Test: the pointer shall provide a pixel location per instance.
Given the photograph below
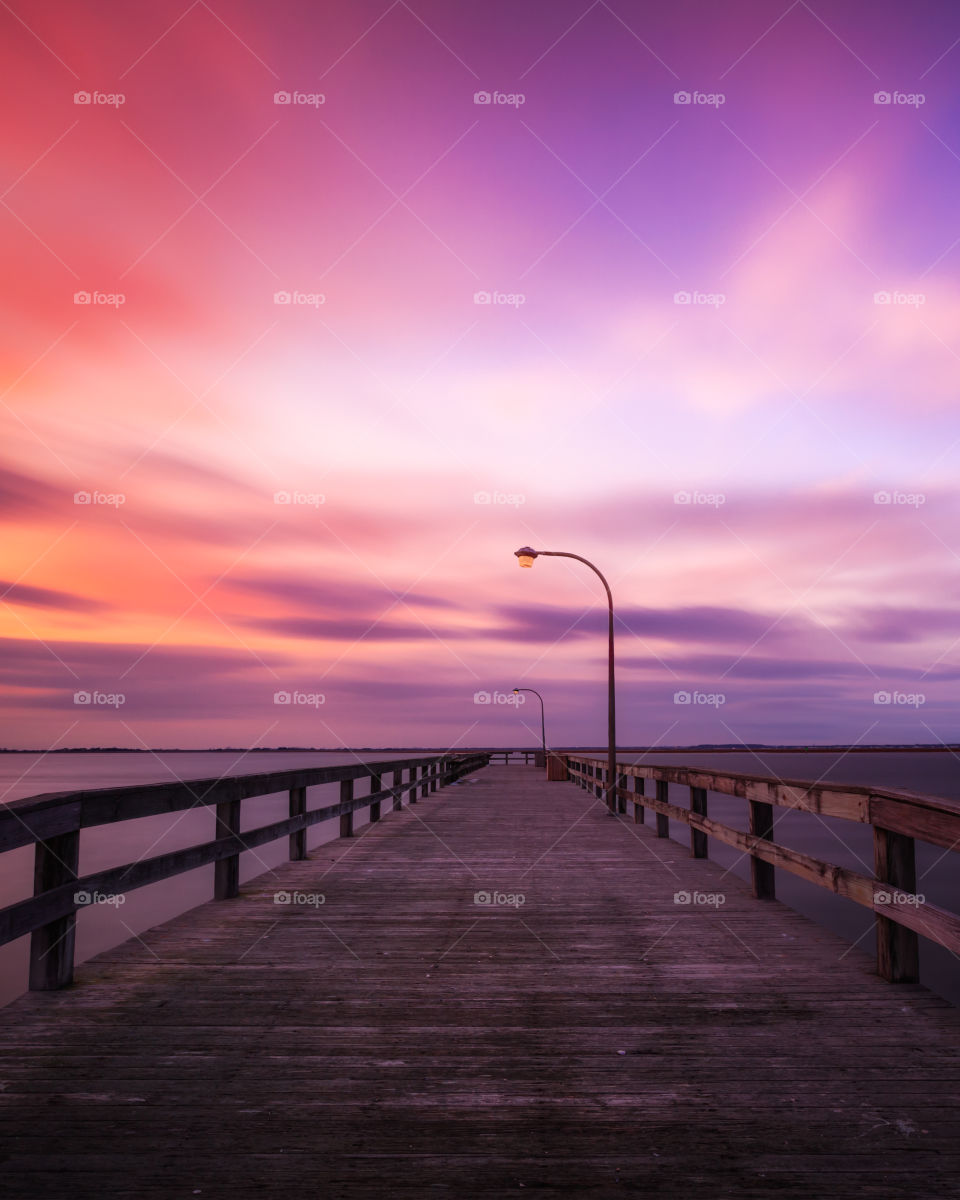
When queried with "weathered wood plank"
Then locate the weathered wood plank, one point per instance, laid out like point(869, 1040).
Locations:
point(762, 875)
point(898, 950)
point(698, 839)
point(56, 862)
point(298, 839)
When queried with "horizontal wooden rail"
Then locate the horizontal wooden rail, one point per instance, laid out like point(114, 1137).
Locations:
point(897, 818)
point(52, 822)
point(529, 758)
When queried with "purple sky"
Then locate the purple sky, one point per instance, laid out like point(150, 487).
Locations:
point(328, 309)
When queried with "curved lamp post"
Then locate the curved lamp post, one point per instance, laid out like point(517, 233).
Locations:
point(526, 555)
point(543, 728)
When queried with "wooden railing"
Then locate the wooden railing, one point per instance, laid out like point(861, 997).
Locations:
point(52, 823)
point(896, 817)
point(528, 758)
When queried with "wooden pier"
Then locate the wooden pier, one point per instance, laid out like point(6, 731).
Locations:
point(502, 990)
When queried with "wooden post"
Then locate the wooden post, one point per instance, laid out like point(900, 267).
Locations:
point(698, 839)
point(397, 783)
point(55, 863)
point(638, 809)
point(434, 771)
point(621, 800)
point(425, 778)
point(226, 871)
point(663, 821)
point(298, 840)
point(898, 952)
point(413, 780)
point(374, 808)
point(557, 768)
point(346, 819)
point(762, 873)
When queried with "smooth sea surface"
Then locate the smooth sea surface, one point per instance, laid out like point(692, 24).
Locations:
point(99, 927)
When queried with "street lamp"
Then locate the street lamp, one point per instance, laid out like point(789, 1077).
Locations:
point(543, 728)
point(526, 555)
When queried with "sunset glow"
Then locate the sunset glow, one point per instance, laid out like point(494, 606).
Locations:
point(303, 337)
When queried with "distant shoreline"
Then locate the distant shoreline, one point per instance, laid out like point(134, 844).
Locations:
point(939, 748)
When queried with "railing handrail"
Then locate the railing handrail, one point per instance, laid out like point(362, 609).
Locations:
point(100, 806)
point(842, 800)
point(896, 818)
point(52, 822)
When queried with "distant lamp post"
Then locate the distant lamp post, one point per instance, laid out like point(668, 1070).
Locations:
point(525, 556)
point(543, 728)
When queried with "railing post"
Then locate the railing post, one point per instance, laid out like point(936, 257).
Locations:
point(663, 821)
point(346, 819)
point(434, 771)
point(425, 780)
point(226, 871)
point(621, 800)
point(638, 810)
point(398, 783)
point(762, 874)
point(698, 839)
point(298, 839)
point(55, 863)
point(898, 954)
point(412, 790)
point(375, 807)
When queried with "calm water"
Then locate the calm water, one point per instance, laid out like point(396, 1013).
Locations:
point(100, 927)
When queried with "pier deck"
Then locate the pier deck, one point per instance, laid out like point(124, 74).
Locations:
point(402, 1040)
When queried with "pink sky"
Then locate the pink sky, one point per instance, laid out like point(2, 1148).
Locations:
point(388, 403)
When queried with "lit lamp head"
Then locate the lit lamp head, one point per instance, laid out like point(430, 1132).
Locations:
point(526, 556)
